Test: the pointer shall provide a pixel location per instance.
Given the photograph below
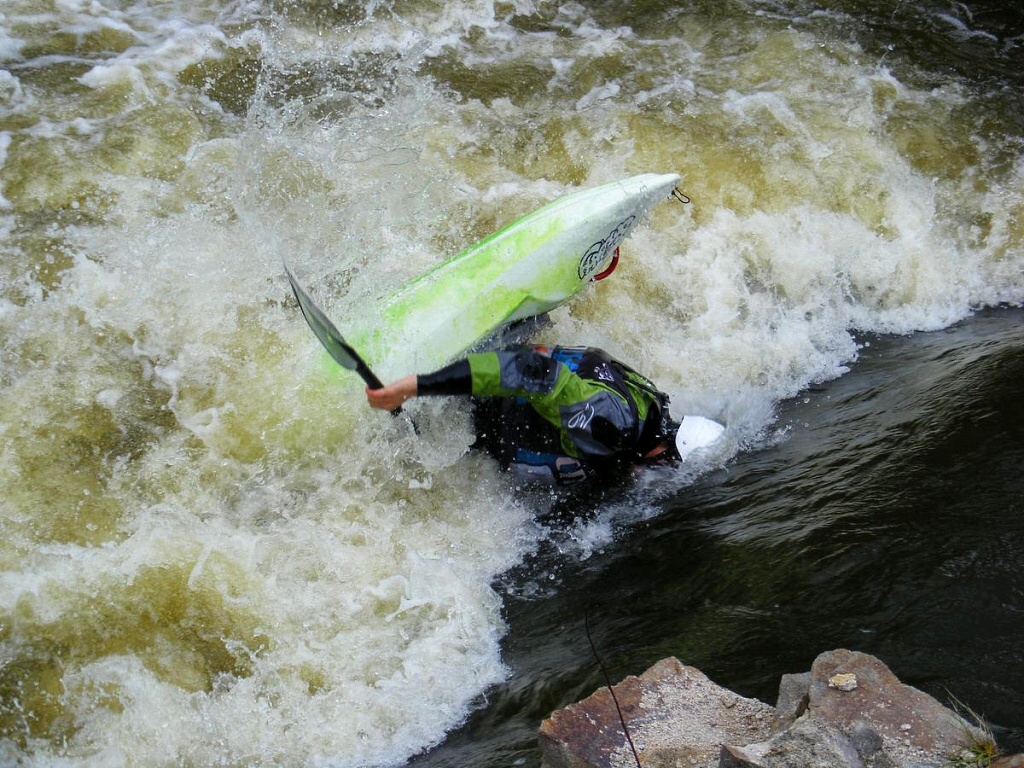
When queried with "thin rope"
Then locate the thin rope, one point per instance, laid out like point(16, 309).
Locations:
point(611, 690)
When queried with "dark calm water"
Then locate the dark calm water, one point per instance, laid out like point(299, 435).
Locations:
point(889, 519)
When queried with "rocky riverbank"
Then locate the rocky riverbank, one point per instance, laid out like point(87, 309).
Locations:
point(848, 711)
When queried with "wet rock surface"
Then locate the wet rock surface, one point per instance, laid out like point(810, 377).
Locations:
point(850, 711)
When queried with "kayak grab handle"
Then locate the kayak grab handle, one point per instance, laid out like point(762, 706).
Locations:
point(678, 195)
point(607, 270)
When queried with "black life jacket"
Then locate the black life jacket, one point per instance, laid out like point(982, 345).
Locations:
point(555, 468)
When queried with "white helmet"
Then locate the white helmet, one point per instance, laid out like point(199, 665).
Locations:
point(696, 432)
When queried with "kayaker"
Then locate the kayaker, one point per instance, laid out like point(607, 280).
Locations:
point(559, 415)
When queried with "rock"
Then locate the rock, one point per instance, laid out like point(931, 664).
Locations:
point(738, 757)
point(810, 742)
point(794, 697)
point(912, 725)
point(865, 739)
point(844, 682)
point(849, 711)
point(675, 715)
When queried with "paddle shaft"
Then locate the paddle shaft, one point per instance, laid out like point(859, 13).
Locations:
point(367, 375)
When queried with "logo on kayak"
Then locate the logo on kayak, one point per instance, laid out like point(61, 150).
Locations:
point(599, 252)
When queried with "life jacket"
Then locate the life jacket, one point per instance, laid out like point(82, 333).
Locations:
point(535, 467)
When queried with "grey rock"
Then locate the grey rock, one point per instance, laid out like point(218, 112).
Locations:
point(675, 715)
point(678, 718)
point(738, 757)
point(865, 739)
point(794, 697)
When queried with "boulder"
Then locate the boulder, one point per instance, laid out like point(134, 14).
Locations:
point(849, 711)
point(794, 697)
point(675, 715)
point(808, 742)
point(912, 727)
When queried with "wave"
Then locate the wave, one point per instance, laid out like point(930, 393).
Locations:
point(202, 520)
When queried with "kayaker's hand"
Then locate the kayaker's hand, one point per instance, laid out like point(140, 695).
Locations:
point(393, 395)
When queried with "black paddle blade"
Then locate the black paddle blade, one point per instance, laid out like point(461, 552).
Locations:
point(333, 342)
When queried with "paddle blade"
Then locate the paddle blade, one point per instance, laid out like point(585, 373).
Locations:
point(333, 341)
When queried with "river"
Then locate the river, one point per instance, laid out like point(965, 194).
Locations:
point(211, 551)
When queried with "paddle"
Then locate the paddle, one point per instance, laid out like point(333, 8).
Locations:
point(333, 341)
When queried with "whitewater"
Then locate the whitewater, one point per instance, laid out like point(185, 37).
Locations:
point(211, 551)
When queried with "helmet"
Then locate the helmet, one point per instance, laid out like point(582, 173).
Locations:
point(696, 432)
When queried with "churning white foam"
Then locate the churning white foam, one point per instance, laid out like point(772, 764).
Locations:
point(234, 560)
